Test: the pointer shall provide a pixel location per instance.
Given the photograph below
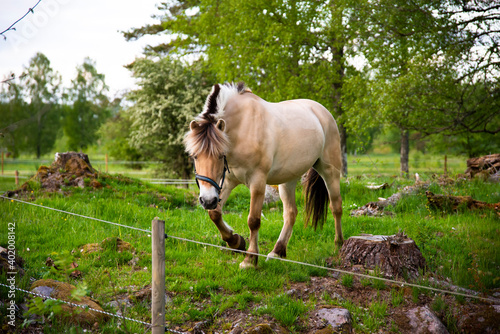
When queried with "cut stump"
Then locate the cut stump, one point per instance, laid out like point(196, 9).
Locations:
point(394, 255)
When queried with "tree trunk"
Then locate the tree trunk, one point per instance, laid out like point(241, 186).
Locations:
point(338, 56)
point(405, 151)
point(343, 148)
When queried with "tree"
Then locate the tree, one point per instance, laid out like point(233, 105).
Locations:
point(421, 70)
point(31, 115)
point(88, 106)
point(115, 133)
point(171, 94)
point(281, 49)
point(13, 111)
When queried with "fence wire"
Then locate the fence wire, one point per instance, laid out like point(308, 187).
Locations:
point(88, 308)
point(391, 281)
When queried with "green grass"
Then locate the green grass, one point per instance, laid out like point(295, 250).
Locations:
point(205, 282)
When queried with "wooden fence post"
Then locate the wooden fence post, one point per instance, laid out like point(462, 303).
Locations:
point(445, 165)
point(158, 281)
point(17, 178)
point(106, 159)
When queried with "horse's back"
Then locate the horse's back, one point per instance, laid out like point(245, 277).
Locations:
point(284, 139)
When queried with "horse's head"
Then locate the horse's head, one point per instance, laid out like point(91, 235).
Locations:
point(207, 144)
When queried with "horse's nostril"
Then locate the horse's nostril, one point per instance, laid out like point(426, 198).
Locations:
point(212, 203)
point(202, 201)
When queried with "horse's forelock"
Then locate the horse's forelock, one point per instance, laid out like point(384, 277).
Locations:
point(206, 138)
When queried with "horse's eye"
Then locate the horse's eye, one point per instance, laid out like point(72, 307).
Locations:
point(195, 157)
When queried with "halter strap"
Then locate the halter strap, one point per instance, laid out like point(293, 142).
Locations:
point(209, 180)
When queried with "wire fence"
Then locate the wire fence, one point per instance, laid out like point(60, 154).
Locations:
point(85, 307)
point(168, 236)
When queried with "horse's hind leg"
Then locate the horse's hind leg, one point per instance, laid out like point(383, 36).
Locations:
point(232, 239)
point(257, 193)
point(331, 175)
point(287, 195)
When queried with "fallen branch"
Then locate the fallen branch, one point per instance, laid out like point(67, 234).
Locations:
point(455, 202)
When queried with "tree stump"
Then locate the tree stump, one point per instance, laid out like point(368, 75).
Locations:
point(73, 161)
point(394, 255)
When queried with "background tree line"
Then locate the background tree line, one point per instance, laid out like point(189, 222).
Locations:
point(36, 110)
point(426, 70)
point(421, 74)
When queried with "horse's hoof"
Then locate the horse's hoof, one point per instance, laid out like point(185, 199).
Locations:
point(272, 255)
point(250, 262)
point(239, 245)
point(247, 265)
point(339, 243)
point(242, 245)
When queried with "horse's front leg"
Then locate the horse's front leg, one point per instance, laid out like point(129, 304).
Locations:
point(232, 239)
point(257, 193)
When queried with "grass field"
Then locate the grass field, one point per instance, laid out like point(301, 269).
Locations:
point(205, 283)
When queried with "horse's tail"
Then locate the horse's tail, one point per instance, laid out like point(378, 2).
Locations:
point(316, 196)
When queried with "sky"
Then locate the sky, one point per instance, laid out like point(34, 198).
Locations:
point(67, 31)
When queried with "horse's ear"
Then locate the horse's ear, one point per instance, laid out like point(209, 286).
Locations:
point(193, 125)
point(221, 124)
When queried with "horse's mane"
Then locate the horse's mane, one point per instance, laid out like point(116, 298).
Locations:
point(205, 137)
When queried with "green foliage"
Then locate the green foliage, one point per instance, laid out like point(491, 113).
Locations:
point(89, 108)
point(47, 309)
point(397, 297)
point(283, 308)
point(115, 133)
point(347, 280)
point(171, 94)
point(30, 109)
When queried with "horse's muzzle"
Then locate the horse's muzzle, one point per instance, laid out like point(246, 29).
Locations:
point(209, 203)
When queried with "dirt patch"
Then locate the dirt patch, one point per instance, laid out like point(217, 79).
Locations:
point(111, 243)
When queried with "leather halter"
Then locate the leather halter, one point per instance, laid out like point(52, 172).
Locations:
point(209, 180)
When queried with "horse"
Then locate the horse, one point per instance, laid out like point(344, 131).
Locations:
point(239, 138)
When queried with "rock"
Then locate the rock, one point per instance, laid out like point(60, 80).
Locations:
point(423, 321)
point(70, 314)
point(339, 319)
point(483, 319)
point(200, 327)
